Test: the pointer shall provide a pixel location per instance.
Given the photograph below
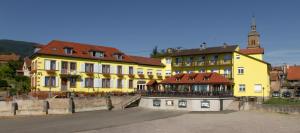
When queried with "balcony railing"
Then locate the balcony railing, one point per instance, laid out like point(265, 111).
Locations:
point(203, 63)
point(187, 94)
point(68, 72)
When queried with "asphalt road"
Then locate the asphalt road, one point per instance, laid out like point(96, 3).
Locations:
point(79, 122)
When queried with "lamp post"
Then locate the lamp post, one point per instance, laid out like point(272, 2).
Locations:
point(263, 94)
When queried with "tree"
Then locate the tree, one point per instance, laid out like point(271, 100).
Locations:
point(154, 52)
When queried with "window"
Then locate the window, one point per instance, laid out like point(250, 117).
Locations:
point(130, 70)
point(168, 72)
point(240, 70)
point(64, 66)
point(169, 60)
point(89, 67)
point(119, 71)
point(73, 82)
point(140, 71)
point(201, 58)
point(177, 61)
point(52, 65)
point(149, 72)
point(50, 81)
point(119, 56)
point(105, 83)
point(242, 87)
point(257, 88)
point(73, 66)
point(119, 84)
point(97, 54)
point(106, 69)
point(68, 50)
point(189, 60)
point(190, 72)
point(177, 71)
point(89, 82)
point(130, 82)
point(158, 72)
point(237, 57)
point(227, 57)
point(215, 70)
point(202, 70)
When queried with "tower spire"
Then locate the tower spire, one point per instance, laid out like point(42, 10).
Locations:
point(253, 23)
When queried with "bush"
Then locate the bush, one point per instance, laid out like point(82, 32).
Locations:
point(281, 101)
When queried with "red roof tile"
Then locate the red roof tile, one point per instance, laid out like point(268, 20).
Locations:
point(146, 60)
point(293, 73)
point(252, 51)
point(151, 82)
point(200, 78)
point(80, 50)
point(274, 76)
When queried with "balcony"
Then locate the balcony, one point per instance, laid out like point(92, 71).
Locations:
point(150, 76)
point(141, 75)
point(212, 62)
point(228, 76)
point(106, 73)
point(120, 74)
point(159, 76)
point(225, 62)
point(131, 75)
point(51, 71)
point(178, 64)
point(68, 73)
point(89, 73)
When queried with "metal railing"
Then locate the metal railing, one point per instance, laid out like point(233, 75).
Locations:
point(186, 94)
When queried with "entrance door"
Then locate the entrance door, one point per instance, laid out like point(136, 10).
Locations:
point(64, 84)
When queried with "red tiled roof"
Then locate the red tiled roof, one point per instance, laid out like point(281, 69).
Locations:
point(9, 57)
point(146, 60)
point(293, 73)
point(80, 50)
point(200, 78)
point(252, 51)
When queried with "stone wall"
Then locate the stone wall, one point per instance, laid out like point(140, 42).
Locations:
point(187, 104)
point(289, 109)
point(57, 106)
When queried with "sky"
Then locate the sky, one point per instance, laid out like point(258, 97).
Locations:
point(136, 27)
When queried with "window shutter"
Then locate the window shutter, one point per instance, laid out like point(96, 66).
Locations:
point(134, 71)
point(124, 83)
point(96, 68)
point(57, 65)
point(100, 83)
point(82, 83)
point(56, 81)
point(100, 68)
point(95, 83)
point(124, 70)
point(112, 70)
point(43, 81)
point(111, 83)
point(47, 64)
point(82, 67)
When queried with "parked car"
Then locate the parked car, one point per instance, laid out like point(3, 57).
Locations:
point(297, 94)
point(276, 94)
point(286, 94)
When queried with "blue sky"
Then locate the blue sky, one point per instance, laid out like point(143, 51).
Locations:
point(135, 27)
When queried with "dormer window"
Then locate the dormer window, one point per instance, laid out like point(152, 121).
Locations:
point(68, 51)
point(97, 54)
point(119, 56)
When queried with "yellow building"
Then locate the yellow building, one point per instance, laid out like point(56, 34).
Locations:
point(73, 67)
point(245, 67)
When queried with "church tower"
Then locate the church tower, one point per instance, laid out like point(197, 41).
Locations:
point(253, 36)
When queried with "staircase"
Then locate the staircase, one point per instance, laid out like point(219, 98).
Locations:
point(130, 101)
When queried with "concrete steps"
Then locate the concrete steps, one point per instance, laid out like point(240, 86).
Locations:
point(127, 102)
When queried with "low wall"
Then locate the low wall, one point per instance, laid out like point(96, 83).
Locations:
point(289, 109)
point(184, 103)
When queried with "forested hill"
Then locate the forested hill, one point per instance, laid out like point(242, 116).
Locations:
point(19, 47)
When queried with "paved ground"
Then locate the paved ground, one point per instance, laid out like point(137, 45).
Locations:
point(148, 121)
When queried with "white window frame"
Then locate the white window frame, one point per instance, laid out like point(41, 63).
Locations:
point(256, 89)
point(242, 88)
point(241, 70)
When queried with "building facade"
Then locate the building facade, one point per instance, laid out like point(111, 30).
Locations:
point(74, 67)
